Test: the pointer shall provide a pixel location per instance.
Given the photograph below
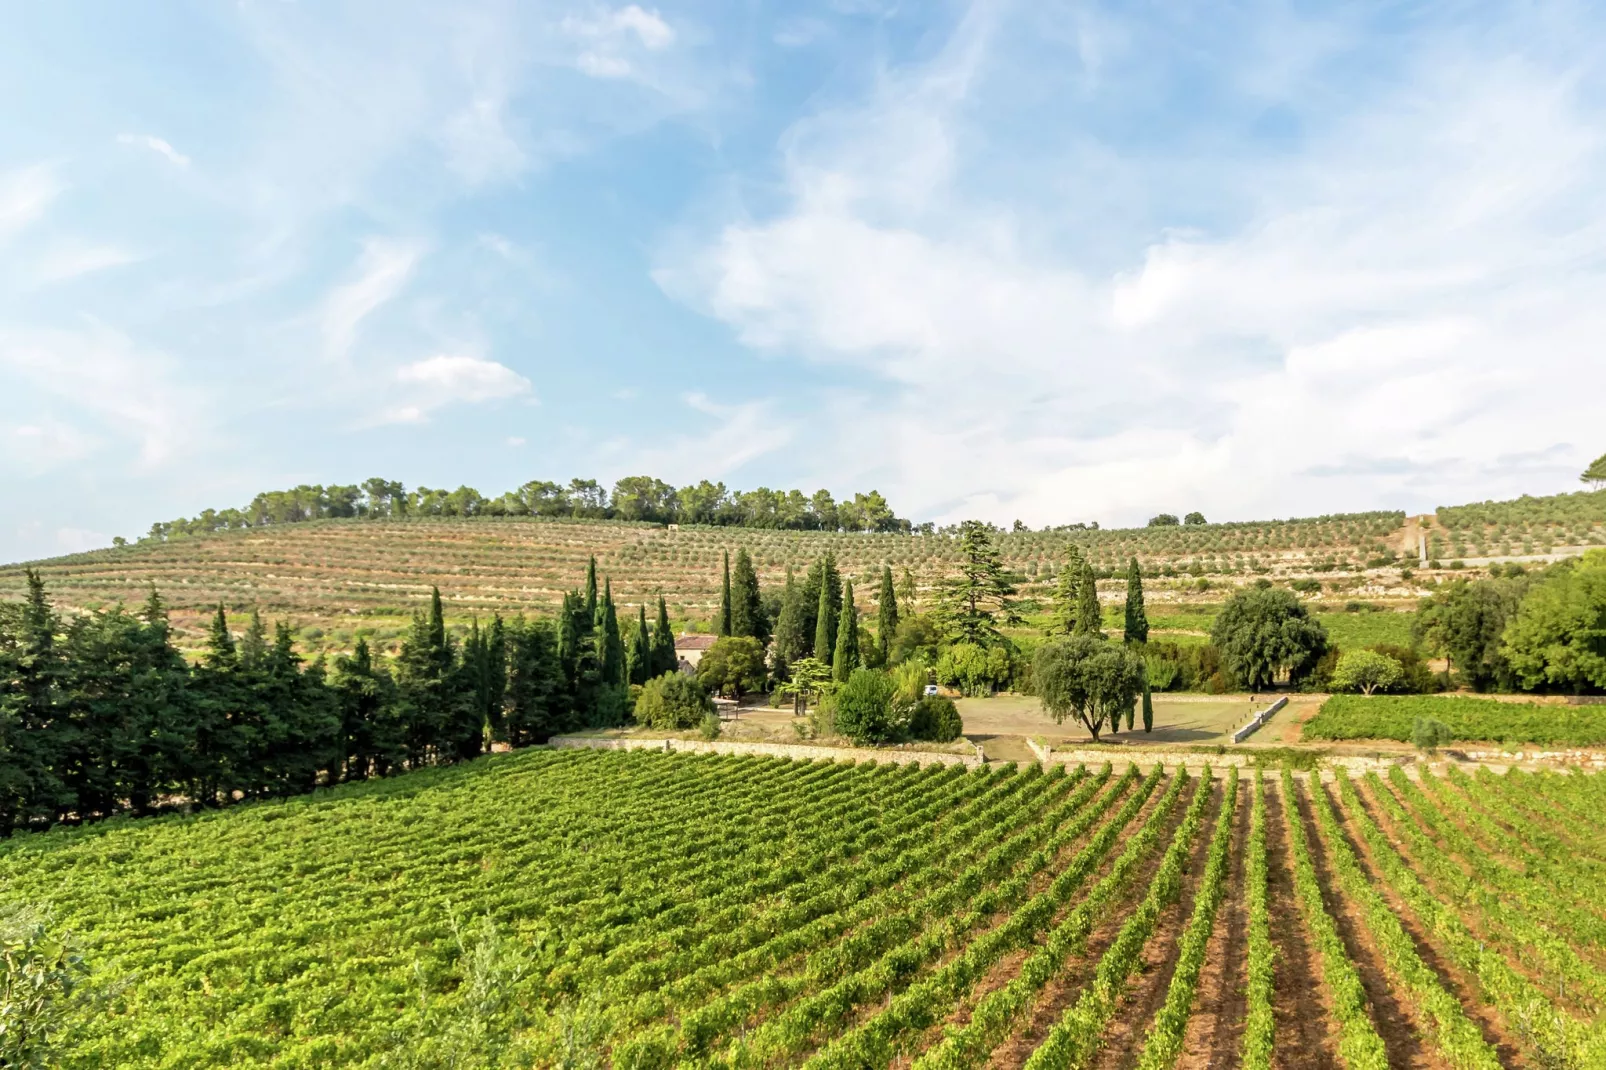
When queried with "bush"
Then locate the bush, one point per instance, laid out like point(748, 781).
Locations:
point(673, 702)
point(710, 728)
point(41, 979)
point(936, 719)
point(975, 670)
point(1307, 586)
point(1429, 734)
point(864, 707)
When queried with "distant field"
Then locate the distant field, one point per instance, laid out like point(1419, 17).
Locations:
point(1469, 719)
point(1176, 719)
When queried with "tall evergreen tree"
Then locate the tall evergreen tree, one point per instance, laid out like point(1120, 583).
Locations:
point(791, 644)
point(726, 614)
point(428, 684)
point(1148, 706)
point(845, 658)
point(974, 605)
point(254, 644)
point(1089, 617)
point(611, 644)
point(639, 656)
point(1137, 621)
point(886, 615)
point(1068, 594)
point(577, 650)
point(747, 615)
point(537, 694)
point(664, 658)
point(825, 627)
point(372, 736)
point(32, 743)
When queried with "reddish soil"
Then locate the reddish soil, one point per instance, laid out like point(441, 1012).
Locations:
point(1066, 987)
point(1215, 1030)
point(1393, 1013)
point(1460, 984)
point(1301, 1006)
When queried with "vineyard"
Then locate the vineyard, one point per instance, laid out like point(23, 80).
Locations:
point(1469, 720)
point(586, 908)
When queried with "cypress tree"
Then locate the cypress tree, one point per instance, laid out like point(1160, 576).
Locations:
point(220, 652)
point(886, 615)
point(640, 657)
point(1148, 706)
point(1089, 618)
point(1067, 597)
point(254, 644)
point(791, 642)
point(846, 656)
point(725, 615)
point(825, 627)
point(664, 658)
point(591, 590)
point(610, 645)
point(746, 605)
point(1137, 621)
point(537, 693)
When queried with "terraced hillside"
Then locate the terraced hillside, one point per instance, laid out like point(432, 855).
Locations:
point(332, 577)
point(584, 908)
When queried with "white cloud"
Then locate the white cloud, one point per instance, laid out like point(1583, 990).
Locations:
point(122, 387)
point(68, 260)
point(1399, 311)
point(155, 144)
point(447, 379)
point(24, 195)
point(614, 33)
point(382, 270)
point(480, 147)
point(515, 441)
point(601, 66)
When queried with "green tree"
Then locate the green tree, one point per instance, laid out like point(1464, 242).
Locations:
point(809, 678)
point(935, 718)
point(1068, 593)
point(864, 707)
point(886, 615)
point(1366, 671)
point(1148, 705)
point(1089, 615)
point(1267, 634)
point(425, 679)
point(538, 695)
point(1193, 519)
point(1466, 623)
point(43, 985)
point(1595, 474)
point(1097, 683)
point(907, 592)
point(664, 657)
point(726, 614)
point(792, 644)
point(845, 659)
point(1137, 621)
point(372, 736)
point(746, 604)
point(1164, 520)
point(732, 666)
point(974, 605)
point(672, 702)
point(640, 658)
point(1557, 639)
point(825, 624)
point(591, 590)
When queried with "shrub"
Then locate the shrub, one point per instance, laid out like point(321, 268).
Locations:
point(673, 702)
point(1307, 586)
point(1429, 734)
point(935, 718)
point(974, 670)
point(710, 727)
point(41, 979)
point(864, 707)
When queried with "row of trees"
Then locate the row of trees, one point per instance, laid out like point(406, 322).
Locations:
point(640, 498)
point(100, 713)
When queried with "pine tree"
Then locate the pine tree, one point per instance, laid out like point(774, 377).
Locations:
point(1067, 597)
point(976, 603)
point(220, 652)
point(32, 734)
point(640, 653)
point(886, 615)
point(726, 614)
point(746, 605)
point(846, 656)
point(1089, 617)
point(1137, 621)
point(664, 658)
point(254, 644)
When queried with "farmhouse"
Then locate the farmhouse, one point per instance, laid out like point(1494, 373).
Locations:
point(689, 650)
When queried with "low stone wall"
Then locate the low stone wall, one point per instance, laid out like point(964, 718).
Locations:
point(1259, 719)
point(800, 751)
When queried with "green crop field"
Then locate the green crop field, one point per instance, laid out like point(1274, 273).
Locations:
point(1469, 719)
point(581, 908)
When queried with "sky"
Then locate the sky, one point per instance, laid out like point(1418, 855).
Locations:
point(1046, 261)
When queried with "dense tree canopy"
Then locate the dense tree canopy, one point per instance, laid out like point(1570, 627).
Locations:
point(1095, 681)
point(974, 605)
point(1557, 638)
point(1266, 635)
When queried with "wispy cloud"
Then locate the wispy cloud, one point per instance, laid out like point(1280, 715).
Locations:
point(381, 272)
point(69, 260)
point(612, 36)
point(452, 378)
point(25, 194)
point(157, 145)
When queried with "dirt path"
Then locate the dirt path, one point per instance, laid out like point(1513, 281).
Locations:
point(1216, 1028)
point(1123, 1039)
point(1461, 985)
point(1301, 1007)
point(1067, 985)
point(1393, 1013)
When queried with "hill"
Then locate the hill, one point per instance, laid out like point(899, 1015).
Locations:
point(336, 577)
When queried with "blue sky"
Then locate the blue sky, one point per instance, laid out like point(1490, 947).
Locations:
point(1050, 261)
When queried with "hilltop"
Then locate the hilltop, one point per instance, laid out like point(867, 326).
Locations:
point(336, 577)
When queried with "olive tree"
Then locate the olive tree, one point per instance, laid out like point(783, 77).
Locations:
point(1366, 671)
point(1092, 680)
